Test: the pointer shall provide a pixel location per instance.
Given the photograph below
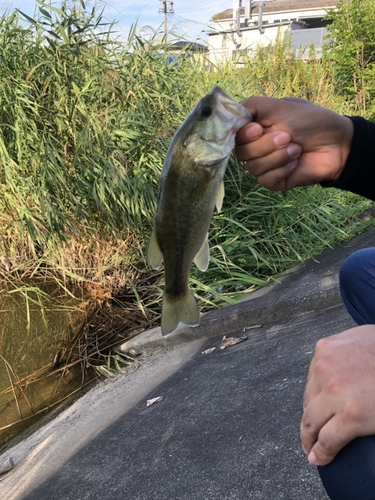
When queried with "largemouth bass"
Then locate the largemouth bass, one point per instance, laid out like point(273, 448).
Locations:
point(191, 185)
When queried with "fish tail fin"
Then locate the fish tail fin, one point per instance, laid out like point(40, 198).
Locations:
point(183, 309)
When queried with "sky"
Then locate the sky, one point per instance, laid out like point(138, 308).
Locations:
point(190, 19)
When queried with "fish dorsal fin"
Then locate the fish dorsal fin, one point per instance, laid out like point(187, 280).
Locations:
point(154, 254)
point(202, 258)
point(220, 196)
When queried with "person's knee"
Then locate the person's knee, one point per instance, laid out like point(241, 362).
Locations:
point(357, 267)
point(357, 285)
point(351, 475)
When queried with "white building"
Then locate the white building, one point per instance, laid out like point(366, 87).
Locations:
point(249, 24)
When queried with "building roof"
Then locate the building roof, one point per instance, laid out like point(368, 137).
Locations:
point(191, 46)
point(282, 6)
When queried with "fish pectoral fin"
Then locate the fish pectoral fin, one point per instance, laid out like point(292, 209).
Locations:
point(184, 310)
point(154, 254)
point(220, 196)
point(202, 258)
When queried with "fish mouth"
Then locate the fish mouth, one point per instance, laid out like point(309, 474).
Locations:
point(232, 107)
point(228, 105)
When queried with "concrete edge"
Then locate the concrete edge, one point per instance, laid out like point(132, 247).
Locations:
point(244, 316)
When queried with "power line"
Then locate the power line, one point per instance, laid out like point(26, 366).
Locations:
point(192, 21)
point(217, 6)
point(167, 10)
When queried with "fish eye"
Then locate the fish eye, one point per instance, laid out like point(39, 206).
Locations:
point(206, 111)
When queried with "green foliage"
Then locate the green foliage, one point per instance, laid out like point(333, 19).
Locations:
point(276, 70)
point(351, 50)
point(85, 122)
point(48, 138)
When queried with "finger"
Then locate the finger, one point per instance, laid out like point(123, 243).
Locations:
point(277, 179)
point(263, 146)
point(313, 385)
point(314, 418)
point(263, 108)
point(250, 132)
point(332, 438)
point(320, 369)
point(268, 162)
point(268, 111)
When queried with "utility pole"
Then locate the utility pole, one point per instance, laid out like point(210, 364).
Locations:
point(167, 10)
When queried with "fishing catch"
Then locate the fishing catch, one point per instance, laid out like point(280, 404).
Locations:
point(191, 185)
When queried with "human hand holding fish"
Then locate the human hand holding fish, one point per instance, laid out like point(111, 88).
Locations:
point(293, 142)
point(191, 185)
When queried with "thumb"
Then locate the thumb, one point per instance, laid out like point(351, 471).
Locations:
point(264, 108)
point(332, 438)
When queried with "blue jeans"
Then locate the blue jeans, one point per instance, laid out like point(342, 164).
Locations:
point(351, 475)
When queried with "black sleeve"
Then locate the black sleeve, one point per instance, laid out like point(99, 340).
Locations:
point(358, 175)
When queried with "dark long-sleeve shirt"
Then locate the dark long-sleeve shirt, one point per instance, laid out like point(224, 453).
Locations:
point(358, 175)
